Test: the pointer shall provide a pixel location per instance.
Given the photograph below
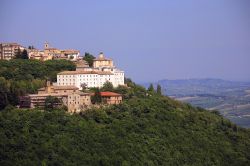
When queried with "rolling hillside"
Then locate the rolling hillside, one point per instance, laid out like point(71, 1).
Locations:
point(151, 130)
point(231, 98)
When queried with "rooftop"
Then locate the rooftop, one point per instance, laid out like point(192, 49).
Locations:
point(85, 72)
point(70, 51)
point(109, 94)
point(62, 88)
point(102, 58)
point(10, 44)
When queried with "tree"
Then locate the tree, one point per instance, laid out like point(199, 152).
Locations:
point(151, 88)
point(21, 54)
point(51, 103)
point(89, 58)
point(19, 77)
point(24, 54)
point(4, 90)
point(97, 96)
point(107, 86)
point(158, 90)
point(31, 47)
point(84, 86)
point(18, 54)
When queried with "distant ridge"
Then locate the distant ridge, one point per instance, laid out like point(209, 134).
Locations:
point(197, 86)
point(231, 98)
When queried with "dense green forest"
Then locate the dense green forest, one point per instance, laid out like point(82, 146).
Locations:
point(146, 129)
point(19, 77)
point(150, 130)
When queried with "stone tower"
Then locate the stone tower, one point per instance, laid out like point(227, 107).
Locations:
point(46, 45)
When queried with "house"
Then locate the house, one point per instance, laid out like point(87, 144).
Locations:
point(69, 96)
point(9, 50)
point(111, 98)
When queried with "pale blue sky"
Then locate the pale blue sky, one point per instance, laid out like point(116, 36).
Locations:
point(150, 40)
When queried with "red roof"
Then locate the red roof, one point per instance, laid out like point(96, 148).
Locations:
point(109, 94)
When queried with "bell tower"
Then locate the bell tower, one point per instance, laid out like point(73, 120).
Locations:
point(101, 56)
point(46, 45)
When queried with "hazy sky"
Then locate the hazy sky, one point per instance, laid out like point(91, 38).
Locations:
point(149, 39)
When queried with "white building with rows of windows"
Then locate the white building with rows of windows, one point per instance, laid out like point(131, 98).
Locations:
point(103, 70)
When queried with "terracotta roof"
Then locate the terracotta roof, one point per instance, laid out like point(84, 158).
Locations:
point(109, 94)
point(85, 72)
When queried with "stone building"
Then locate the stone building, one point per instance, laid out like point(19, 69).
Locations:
point(69, 96)
point(38, 55)
point(103, 71)
point(50, 53)
point(9, 50)
point(111, 98)
point(71, 54)
point(102, 62)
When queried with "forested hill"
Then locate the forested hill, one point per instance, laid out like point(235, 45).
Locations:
point(22, 76)
point(147, 129)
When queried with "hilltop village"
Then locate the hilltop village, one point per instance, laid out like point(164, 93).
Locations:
point(71, 87)
point(10, 50)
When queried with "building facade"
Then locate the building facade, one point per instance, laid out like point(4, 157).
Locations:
point(72, 55)
point(70, 96)
point(55, 53)
point(102, 62)
point(103, 70)
point(111, 98)
point(9, 50)
point(38, 55)
point(50, 53)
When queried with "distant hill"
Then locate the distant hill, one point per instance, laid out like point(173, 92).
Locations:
point(199, 86)
point(231, 98)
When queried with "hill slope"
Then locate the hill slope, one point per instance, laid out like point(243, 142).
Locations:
point(231, 98)
point(144, 130)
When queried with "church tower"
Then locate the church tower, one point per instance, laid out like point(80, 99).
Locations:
point(46, 45)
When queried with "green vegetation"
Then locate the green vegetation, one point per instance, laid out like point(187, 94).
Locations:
point(151, 88)
point(96, 98)
point(231, 98)
point(22, 54)
point(146, 129)
point(19, 77)
point(158, 90)
point(52, 103)
point(107, 86)
point(137, 132)
point(89, 58)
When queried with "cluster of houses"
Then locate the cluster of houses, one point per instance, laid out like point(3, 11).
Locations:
point(69, 86)
point(9, 50)
point(69, 96)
